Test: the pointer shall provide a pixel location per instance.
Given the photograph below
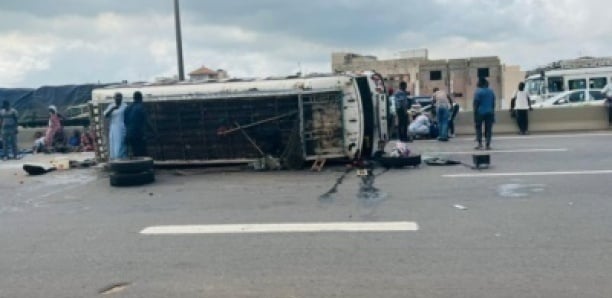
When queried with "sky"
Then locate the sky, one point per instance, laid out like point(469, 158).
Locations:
point(74, 41)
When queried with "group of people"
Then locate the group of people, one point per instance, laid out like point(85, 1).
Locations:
point(127, 127)
point(441, 125)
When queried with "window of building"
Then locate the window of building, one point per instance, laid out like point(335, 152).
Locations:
point(483, 72)
point(435, 75)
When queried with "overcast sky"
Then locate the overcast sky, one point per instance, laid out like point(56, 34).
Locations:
point(74, 41)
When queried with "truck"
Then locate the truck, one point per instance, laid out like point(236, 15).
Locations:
point(292, 119)
point(549, 83)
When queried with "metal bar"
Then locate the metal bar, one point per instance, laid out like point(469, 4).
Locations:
point(249, 139)
point(301, 115)
point(179, 41)
point(256, 123)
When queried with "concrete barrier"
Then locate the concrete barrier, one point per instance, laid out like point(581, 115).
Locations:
point(542, 120)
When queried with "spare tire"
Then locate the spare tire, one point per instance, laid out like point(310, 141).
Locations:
point(133, 179)
point(131, 166)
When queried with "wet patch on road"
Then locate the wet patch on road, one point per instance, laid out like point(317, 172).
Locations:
point(516, 190)
point(330, 195)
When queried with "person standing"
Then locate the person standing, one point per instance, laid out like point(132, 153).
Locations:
point(607, 91)
point(402, 104)
point(484, 112)
point(443, 102)
point(8, 124)
point(136, 122)
point(54, 128)
point(451, 122)
point(117, 131)
point(521, 106)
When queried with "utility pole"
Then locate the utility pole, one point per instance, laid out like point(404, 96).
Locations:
point(179, 41)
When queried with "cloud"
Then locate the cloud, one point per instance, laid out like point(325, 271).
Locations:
point(70, 41)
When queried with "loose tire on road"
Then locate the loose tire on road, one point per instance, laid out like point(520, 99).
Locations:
point(132, 179)
point(131, 166)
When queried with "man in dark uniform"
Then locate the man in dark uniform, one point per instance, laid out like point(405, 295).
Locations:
point(135, 124)
point(402, 104)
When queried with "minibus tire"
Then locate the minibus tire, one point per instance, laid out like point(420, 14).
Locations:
point(132, 179)
point(131, 166)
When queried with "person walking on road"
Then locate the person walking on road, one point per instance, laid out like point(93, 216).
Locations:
point(135, 122)
point(451, 123)
point(607, 91)
point(116, 135)
point(402, 104)
point(484, 113)
point(521, 105)
point(8, 126)
point(443, 104)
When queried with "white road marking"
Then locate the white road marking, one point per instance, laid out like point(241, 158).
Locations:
point(537, 136)
point(555, 136)
point(471, 138)
point(400, 226)
point(559, 173)
point(504, 151)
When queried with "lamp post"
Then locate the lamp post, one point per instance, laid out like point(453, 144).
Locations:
point(179, 41)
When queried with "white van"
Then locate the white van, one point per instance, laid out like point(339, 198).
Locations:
point(321, 117)
point(552, 82)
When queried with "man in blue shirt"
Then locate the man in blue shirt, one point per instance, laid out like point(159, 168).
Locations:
point(402, 104)
point(484, 112)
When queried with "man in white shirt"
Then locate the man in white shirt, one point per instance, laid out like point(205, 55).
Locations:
point(607, 91)
point(521, 105)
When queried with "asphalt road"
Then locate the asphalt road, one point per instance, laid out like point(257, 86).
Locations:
point(542, 230)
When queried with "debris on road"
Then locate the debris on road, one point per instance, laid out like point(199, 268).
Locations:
point(114, 288)
point(37, 169)
point(460, 207)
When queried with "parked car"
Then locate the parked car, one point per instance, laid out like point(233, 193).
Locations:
point(419, 103)
point(574, 98)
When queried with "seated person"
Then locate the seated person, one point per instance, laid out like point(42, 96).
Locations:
point(87, 141)
point(39, 142)
point(75, 140)
point(420, 126)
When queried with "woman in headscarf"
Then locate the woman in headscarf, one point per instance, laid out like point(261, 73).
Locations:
point(55, 126)
point(116, 135)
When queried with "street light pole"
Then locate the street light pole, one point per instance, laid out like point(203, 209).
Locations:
point(179, 41)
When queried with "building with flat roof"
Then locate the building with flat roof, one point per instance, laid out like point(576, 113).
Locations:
point(457, 76)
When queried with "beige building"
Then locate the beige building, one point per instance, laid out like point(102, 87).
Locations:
point(512, 75)
point(458, 76)
point(393, 71)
